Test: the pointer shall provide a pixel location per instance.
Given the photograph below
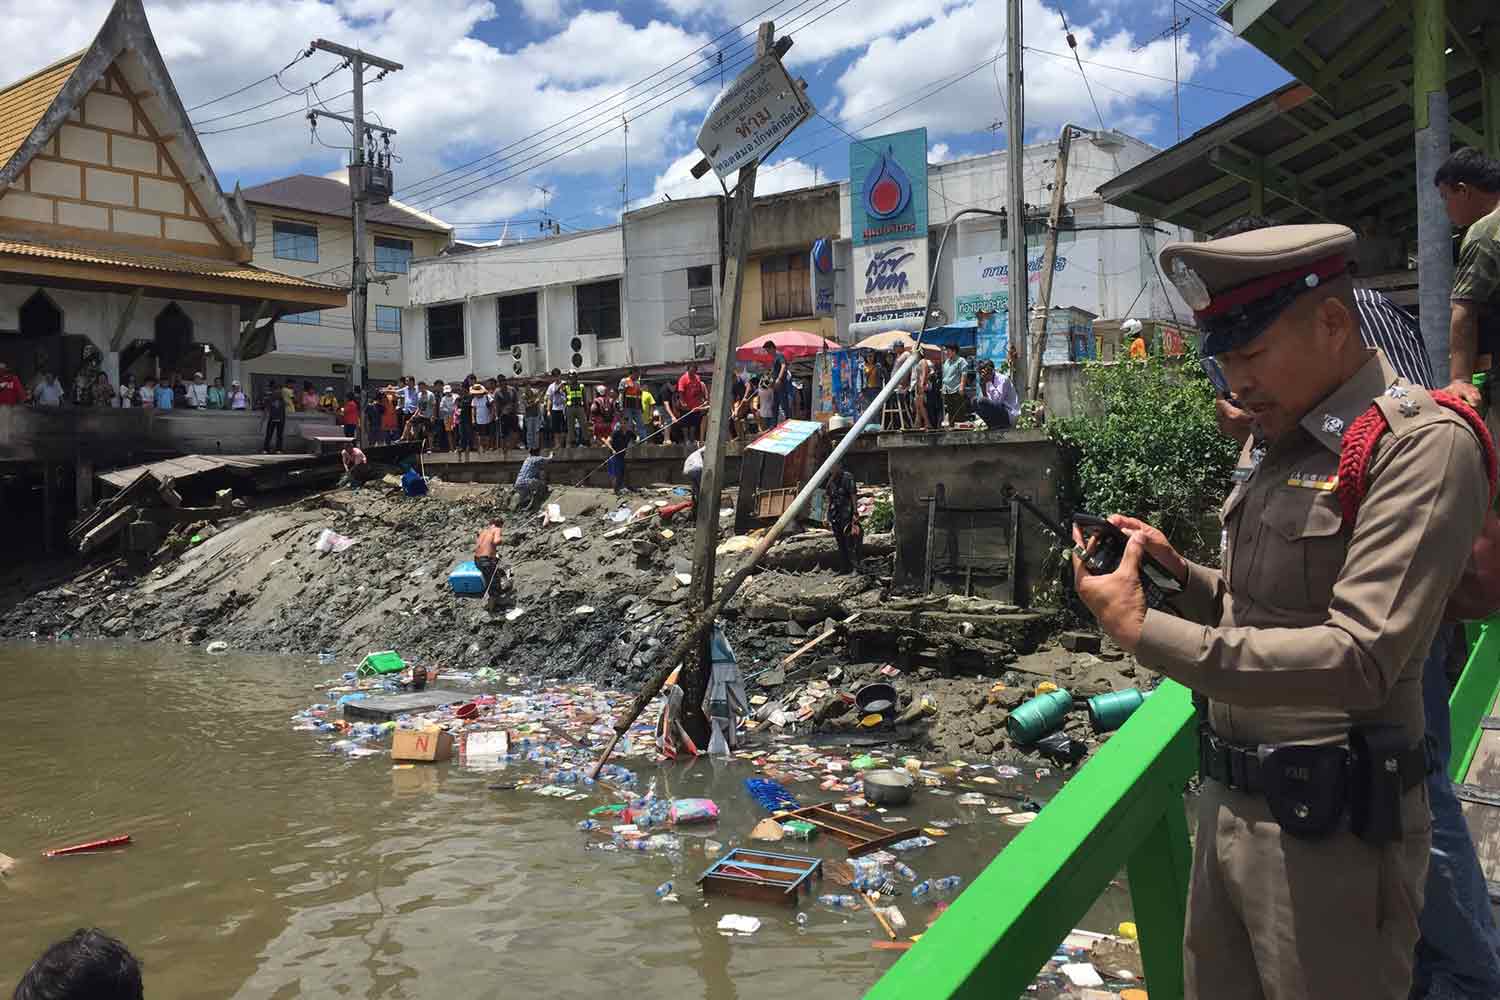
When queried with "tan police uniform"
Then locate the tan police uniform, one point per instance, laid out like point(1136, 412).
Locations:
point(1308, 631)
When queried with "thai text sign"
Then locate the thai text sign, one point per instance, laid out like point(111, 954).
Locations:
point(890, 282)
point(750, 118)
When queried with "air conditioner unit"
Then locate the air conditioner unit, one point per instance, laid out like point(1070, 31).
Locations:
point(584, 351)
point(526, 359)
point(703, 351)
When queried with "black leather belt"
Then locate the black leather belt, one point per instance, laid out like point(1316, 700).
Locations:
point(1238, 767)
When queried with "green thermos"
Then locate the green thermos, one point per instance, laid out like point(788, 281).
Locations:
point(1108, 712)
point(1039, 716)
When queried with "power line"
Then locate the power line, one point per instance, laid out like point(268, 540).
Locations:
point(1136, 72)
point(490, 179)
point(1073, 48)
point(424, 181)
point(303, 54)
point(604, 123)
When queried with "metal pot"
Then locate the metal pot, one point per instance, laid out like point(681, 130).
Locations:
point(878, 698)
point(888, 788)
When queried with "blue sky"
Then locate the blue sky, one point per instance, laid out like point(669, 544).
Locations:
point(541, 86)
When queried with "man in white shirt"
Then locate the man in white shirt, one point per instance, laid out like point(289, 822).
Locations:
point(46, 390)
point(998, 403)
point(237, 398)
point(197, 392)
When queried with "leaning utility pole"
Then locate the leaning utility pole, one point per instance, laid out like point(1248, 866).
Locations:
point(360, 191)
point(744, 125)
point(1015, 204)
point(1049, 255)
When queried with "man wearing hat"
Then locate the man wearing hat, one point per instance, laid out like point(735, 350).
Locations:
point(1305, 650)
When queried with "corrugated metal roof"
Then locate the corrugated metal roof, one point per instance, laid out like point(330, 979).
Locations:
point(23, 103)
point(326, 196)
point(170, 263)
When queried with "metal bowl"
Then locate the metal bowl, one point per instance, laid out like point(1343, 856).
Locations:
point(878, 698)
point(888, 788)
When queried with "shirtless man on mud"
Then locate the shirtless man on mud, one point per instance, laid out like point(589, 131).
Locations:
point(485, 559)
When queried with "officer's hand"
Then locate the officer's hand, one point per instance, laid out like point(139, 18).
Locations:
point(1156, 545)
point(1234, 423)
point(1116, 599)
point(1466, 391)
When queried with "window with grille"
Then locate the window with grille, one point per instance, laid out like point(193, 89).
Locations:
point(517, 320)
point(785, 291)
point(392, 256)
point(294, 241)
point(388, 319)
point(599, 309)
point(303, 319)
point(445, 331)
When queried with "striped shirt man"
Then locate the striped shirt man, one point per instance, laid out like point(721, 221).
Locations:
point(1395, 332)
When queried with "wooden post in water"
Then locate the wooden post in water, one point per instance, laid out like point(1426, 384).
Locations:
point(715, 438)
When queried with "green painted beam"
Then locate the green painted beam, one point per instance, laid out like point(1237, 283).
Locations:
point(1201, 194)
point(1368, 39)
point(1474, 694)
point(1004, 927)
point(1283, 185)
point(1224, 217)
point(1465, 134)
point(1338, 128)
point(1429, 37)
point(1287, 53)
point(1358, 151)
point(1159, 872)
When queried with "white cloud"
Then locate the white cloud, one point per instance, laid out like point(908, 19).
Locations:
point(939, 153)
point(677, 181)
point(543, 11)
point(968, 33)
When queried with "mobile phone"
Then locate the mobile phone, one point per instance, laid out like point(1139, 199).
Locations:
point(1215, 373)
point(1109, 549)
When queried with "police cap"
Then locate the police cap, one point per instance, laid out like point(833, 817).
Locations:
point(1238, 285)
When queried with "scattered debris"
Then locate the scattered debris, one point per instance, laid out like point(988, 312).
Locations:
point(120, 840)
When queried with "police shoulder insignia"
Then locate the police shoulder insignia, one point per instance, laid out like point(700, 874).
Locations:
point(1332, 424)
point(1398, 392)
point(1409, 408)
point(1314, 481)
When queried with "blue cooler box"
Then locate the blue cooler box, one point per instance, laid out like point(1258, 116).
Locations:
point(466, 579)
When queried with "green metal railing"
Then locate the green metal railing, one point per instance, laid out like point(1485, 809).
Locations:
point(1124, 809)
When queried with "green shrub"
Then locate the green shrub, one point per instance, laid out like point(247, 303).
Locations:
point(883, 515)
point(1148, 445)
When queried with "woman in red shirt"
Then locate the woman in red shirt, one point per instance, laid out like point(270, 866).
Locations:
point(351, 417)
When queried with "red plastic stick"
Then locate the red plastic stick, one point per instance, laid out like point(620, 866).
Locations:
point(93, 845)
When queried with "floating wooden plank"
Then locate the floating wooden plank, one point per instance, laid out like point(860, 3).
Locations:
point(761, 875)
point(383, 708)
point(858, 836)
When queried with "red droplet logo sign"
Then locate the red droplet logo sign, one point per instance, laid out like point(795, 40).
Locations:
point(887, 188)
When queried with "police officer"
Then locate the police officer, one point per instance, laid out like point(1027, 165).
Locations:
point(1307, 647)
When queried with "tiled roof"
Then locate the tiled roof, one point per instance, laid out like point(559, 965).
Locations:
point(326, 196)
point(204, 267)
point(23, 103)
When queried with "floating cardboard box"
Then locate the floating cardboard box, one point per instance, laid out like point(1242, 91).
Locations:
point(421, 744)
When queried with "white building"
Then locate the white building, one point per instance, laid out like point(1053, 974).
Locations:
point(527, 308)
point(304, 226)
point(1108, 272)
point(517, 310)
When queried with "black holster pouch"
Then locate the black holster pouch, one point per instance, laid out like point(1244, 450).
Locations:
point(1306, 787)
point(1376, 777)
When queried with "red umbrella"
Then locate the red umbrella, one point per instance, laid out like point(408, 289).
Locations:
point(791, 343)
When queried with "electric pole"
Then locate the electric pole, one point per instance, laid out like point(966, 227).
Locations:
point(363, 183)
point(1015, 206)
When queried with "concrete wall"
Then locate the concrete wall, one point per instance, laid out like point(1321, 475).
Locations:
point(662, 242)
point(788, 222)
point(307, 351)
point(973, 468)
point(118, 437)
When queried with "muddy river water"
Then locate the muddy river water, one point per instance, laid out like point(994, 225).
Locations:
point(265, 866)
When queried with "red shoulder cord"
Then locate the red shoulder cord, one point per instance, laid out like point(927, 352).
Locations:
point(1359, 446)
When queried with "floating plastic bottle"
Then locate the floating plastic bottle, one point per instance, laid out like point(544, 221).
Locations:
point(921, 889)
point(588, 824)
point(904, 870)
point(839, 902)
point(948, 883)
point(663, 890)
point(801, 920)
